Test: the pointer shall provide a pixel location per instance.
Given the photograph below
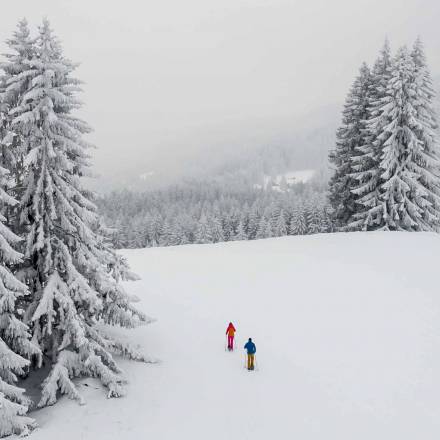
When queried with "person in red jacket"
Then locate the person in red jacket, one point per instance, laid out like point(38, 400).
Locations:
point(230, 331)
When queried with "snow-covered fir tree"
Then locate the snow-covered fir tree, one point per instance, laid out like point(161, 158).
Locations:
point(366, 163)
point(253, 222)
point(241, 233)
point(13, 84)
point(16, 349)
point(410, 196)
point(204, 234)
point(273, 213)
point(395, 162)
point(176, 234)
point(264, 228)
point(72, 274)
point(350, 137)
point(298, 225)
point(268, 233)
point(167, 238)
point(13, 403)
point(216, 228)
point(313, 219)
point(280, 229)
point(427, 132)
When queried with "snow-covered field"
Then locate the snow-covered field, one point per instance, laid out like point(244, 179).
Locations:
point(347, 329)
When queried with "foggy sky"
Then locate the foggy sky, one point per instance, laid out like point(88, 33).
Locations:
point(165, 78)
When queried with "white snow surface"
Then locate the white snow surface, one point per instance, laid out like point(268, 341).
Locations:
point(347, 328)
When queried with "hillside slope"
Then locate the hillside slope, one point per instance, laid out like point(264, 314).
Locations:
point(347, 328)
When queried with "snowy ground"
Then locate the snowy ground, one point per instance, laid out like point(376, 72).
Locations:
point(347, 329)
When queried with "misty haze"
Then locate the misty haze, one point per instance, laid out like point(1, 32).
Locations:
point(220, 219)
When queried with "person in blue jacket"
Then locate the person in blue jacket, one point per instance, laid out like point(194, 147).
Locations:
point(251, 350)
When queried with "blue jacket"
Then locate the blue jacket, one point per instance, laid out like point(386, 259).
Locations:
point(250, 347)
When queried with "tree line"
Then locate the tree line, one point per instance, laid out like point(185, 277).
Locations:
point(60, 278)
point(210, 212)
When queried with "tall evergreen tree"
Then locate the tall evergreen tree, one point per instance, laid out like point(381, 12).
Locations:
point(264, 228)
point(366, 164)
point(427, 132)
point(216, 228)
point(72, 274)
point(349, 137)
point(13, 404)
point(167, 237)
point(313, 218)
point(204, 234)
point(280, 229)
point(175, 236)
point(253, 222)
point(410, 198)
point(298, 225)
point(13, 84)
point(241, 233)
point(16, 349)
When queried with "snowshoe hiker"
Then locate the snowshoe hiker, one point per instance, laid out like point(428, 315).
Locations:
point(251, 350)
point(230, 332)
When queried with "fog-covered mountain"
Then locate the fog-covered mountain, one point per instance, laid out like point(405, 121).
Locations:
point(304, 146)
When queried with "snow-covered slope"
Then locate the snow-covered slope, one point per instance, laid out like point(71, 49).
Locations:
point(347, 328)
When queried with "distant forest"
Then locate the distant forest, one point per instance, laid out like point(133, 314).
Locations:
point(210, 212)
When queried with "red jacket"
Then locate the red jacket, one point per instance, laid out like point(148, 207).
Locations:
point(230, 331)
